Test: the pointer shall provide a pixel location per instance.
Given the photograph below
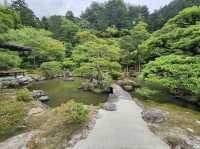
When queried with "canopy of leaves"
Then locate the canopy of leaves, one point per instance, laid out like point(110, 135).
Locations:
point(8, 60)
point(44, 47)
point(130, 43)
point(114, 13)
point(63, 29)
point(27, 16)
point(51, 69)
point(8, 19)
point(178, 73)
point(157, 19)
point(97, 58)
point(181, 35)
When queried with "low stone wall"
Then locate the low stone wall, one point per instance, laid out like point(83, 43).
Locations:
point(12, 82)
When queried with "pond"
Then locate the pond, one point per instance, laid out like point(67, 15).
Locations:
point(60, 91)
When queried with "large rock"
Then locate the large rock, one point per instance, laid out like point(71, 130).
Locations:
point(127, 84)
point(38, 93)
point(43, 98)
point(120, 82)
point(128, 88)
point(154, 115)
point(110, 106)
point(19, 141)
point(89, 86)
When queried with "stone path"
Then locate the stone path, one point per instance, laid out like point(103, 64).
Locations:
point(121, 129)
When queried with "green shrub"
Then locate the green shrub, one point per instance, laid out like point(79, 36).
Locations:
point(11, 117)
point(8, 19)
point(146, 93)
point(75, 112)
point(178, 74)
point(51, 69)
point(9, 60)
point(24, 95)
point(179, 36)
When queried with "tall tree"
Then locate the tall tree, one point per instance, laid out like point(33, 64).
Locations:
point(70, 15)
point(27, 16)
point(114, 13)
point(8, 19)
point(131, 45)
point(160, 17)
point(62, 28)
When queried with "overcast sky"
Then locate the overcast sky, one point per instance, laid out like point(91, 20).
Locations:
point(51, 7)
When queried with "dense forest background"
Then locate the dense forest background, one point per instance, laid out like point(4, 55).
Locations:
point(107, 40)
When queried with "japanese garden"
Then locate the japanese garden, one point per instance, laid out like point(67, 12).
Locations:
point(118, 76)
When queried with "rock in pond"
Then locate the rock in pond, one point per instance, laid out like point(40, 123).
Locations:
point(154, 115)
point(43, 98)
point(110, 106)
point(40, 95)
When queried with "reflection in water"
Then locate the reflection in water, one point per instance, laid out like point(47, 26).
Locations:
point(60, 91)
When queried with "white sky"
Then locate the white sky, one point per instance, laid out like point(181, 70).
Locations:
point(51, 7)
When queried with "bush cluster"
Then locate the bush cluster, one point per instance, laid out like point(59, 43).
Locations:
point(51, 69)
point(24, 95)
point(74, 112)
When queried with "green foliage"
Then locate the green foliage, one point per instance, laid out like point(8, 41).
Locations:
point(62, 28)
point(180, 36)
point(178, 73)
point(157, 19)
point(24, 95)
point(51, 69)
point(130, 44)
point(27, 16)
point(75, 112)
point(8, 60)
point(44, 47)
point(68, 63)
point(147, 93)
point(11, 117)
point(8, 19)
point(114, 13)
point(97, 57)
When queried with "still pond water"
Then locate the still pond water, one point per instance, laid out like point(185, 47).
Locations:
point(60, 91)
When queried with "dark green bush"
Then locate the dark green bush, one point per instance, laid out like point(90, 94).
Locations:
point(179, 36)
point(178, 73)
point(51, 69)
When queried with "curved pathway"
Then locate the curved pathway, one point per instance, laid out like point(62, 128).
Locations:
point(121, 129)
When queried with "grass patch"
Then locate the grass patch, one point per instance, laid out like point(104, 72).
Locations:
point(12, 116)
point(24, 95)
